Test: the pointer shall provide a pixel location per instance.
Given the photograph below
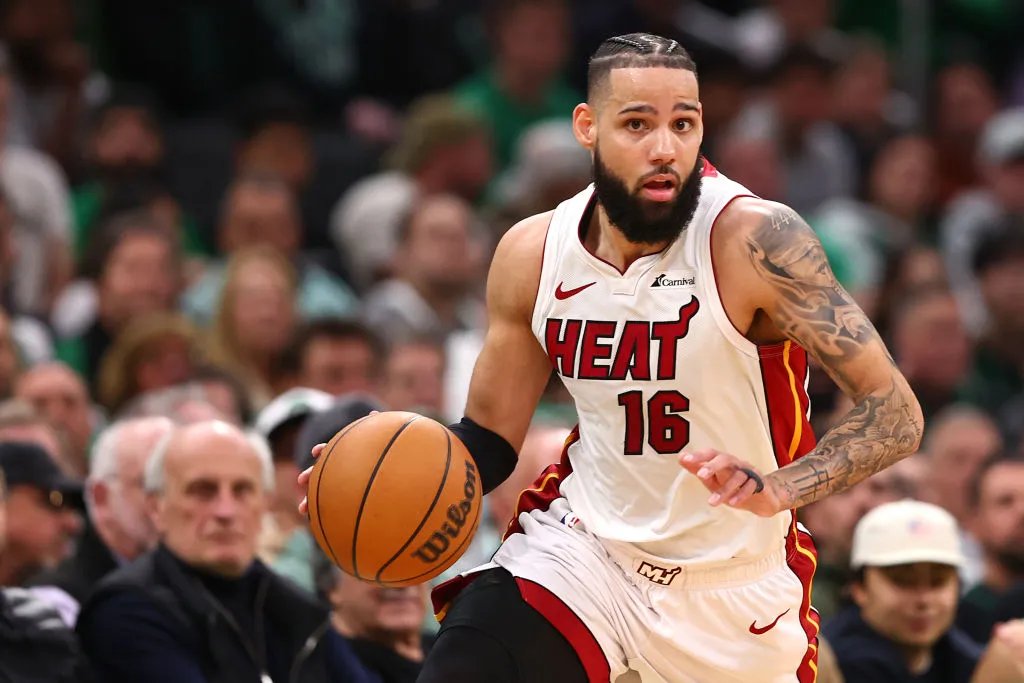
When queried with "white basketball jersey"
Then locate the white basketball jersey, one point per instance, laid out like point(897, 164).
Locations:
point(656, 367)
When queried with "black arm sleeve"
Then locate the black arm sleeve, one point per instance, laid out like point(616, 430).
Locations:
point(495, 457)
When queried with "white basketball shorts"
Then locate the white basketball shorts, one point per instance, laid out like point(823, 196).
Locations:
point(632, 618)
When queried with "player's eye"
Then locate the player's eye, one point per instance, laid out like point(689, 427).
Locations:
point(683, 125)
point(635, 124)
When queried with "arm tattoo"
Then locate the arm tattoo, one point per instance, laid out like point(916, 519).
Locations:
point(814, 310)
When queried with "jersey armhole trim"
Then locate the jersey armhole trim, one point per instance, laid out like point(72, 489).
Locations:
point(543, 262)
point(725, 323)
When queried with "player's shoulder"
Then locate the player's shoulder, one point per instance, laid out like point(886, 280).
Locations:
point(516, 266)
point(522, 245)
point(754, 223)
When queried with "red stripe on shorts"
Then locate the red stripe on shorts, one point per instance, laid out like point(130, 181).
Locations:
point(570, 626)
point(802, 558)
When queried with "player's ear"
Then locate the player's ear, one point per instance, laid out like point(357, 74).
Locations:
point(584, 125)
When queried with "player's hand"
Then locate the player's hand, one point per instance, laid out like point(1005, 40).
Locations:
point(304, 477)
point(305, 474)
point(732, 482)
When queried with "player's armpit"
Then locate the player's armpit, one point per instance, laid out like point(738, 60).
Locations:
point(802, 298)
point(512, 369)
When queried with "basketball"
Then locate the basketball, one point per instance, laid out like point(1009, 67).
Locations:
point(394, 499)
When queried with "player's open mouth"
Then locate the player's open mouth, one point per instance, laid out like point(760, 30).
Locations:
point(660, 188)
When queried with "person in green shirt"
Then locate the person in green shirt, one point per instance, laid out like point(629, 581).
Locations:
point(124, 158)
point(524, 83)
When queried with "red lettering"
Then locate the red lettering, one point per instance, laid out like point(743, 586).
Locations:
point(634, 353)
point(592, 351)
point(669, 334)
point(561, 345)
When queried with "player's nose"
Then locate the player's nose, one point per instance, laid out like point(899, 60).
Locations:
point(663, 149)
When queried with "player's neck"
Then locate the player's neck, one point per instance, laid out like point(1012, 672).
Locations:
point(918, 659)
point(607, 242)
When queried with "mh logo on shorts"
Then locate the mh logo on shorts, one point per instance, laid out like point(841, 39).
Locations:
point(676, 280)
point(658, 575)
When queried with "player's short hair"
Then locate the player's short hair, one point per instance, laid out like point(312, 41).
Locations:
point(632, 51)
point(986, 466)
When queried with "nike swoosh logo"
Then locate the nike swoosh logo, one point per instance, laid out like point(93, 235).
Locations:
point(758, 631)
point(562, 295)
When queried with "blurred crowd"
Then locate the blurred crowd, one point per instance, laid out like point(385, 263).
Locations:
point(228, 229)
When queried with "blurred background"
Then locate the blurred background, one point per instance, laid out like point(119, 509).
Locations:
point(207, 205)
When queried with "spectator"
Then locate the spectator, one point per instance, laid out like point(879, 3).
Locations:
point(41, 509)
point(183, 403)
point(136, 270)
point(832, 521)
point(763, 34)
point(965, 102)
point(383, 624)
point(931, 347)
point(906, 555)
point(226, 392)
point(261, 210)
point(862, 236)
point(754, 162)
point(9, 358)
point(335, 356)
point(19, 421)
point(201, 607)
point(437, 267)
point(58, 393)
point(414, 377)
point(153, 352)
point(35, 191)
point(444, 148)
point(984, 208)
point(996, 499)
point(285, 545)
point(54, 85)
point(36, 644)
point(817, 160)
point(525, 83)
point(125, 154)
point(256, 319)
point(550, 166)
point(275, 138)
point(117, 528)
point(956, 442)
point(996, 381)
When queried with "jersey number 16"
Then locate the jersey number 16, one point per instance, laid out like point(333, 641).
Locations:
point(667, 432)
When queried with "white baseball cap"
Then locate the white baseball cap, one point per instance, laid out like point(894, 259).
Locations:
point(906, 532)
point(300, 402)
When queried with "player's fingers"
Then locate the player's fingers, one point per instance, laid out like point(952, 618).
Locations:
point(693, 461)
point(304, 476)
point(304, 506)
point(318, 449)
point(718, 470)
point(729, 489)
point(744, 492)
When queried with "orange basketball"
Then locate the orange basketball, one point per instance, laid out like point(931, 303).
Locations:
point(394, 499)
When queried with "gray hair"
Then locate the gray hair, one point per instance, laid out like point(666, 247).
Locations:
point(154, 478)
point(103, 457)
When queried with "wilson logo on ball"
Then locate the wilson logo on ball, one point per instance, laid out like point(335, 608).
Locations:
point(458, 515)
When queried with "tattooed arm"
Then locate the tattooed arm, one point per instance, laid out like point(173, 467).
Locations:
point(802, 298)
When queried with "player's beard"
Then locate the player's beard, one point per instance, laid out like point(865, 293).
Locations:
point(642, 221)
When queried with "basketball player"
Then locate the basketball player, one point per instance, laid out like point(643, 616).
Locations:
point(679, 311)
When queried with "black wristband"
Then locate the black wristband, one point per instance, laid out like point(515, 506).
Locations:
point(494, 456)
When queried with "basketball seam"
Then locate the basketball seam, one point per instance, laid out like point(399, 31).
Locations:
point(454, 553)
point(366, 493)
point(319, 480)
point(426, 516)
